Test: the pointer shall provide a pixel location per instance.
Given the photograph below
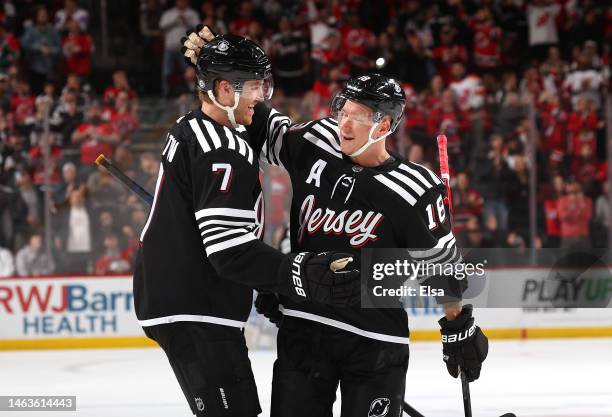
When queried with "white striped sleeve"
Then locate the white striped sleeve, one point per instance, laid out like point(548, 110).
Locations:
point(222, 228)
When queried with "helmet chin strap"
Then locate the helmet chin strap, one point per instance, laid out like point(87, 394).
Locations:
point(370, 140)
point(229, 110)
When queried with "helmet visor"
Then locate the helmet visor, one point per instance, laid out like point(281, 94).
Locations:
point(258, 89)
point(360, 114)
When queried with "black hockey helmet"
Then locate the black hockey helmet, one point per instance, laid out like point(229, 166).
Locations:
point(385, 96)
point(235, 59)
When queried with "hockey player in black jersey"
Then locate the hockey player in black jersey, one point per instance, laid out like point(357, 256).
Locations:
point(349, 192)
point(201, 253)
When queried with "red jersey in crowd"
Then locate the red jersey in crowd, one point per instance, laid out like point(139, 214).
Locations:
point(553, 224)
point(554, 123)
point(24, 108)
point(486, 45)
point(9, 50)
point(466, 204)
point(91, 147)
point(582, 129)
point(110, 93)
point(450, 123)
point(125, 123)
point(587, 170)
point(445, 55)
point(575, 214)
point(36, 155)
point(78, 62)
point(355, 40)
point(413, 113)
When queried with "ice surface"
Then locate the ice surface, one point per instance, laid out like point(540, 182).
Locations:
point(542, 378)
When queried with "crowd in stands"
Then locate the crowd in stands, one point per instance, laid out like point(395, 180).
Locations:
point(474, 70)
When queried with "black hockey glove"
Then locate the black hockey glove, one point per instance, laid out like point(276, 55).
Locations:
point(267, 304)
point(194, 41)
point(322, 278)
point(463, 344)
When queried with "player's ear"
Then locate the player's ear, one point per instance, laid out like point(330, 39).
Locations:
point(384, 126)
point(224, 92)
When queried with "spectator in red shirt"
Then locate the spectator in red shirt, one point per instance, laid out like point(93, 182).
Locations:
point(450, 121)
point(554, 125)
point(120, 83)
point(582, 124)
point(487, 37)
point(77, 48)
point(448, 52)
point(356, 41)
point(95, 137)
point(9, 48)
point(575, 211)
point(23, 106)
point(467, 202)
point(124, 119)
point(586, 168)
point(551, 213)
point(112, 261)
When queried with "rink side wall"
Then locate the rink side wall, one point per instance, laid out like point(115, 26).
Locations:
point(60, 312)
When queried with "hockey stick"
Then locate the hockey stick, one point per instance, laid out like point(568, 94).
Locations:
point(445, 174)
point(411, 411)
point(124, 179)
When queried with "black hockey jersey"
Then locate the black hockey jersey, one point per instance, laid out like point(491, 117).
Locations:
point(338, 205)
point(200, 248)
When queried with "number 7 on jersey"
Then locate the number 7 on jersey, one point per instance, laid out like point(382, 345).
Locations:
point(226, 169)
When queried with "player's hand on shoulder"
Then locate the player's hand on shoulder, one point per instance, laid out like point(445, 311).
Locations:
point(267, 304)
point(194, 41)
point(464, 345)
point(327, 277)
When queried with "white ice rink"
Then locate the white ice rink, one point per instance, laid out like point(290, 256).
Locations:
point(530, 378)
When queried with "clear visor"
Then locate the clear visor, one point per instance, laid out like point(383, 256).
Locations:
point(257, 89)
point(354, 112)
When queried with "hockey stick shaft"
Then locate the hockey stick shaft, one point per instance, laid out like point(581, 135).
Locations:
point(127, 181)
point(411, 411)
point(444, 169)
point(465, 388)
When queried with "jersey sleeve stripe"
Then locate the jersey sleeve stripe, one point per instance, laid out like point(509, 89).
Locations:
point(214, 136)
point(220, 229)
point(229, 232)
point(230, 138)
point(416, 174)
point(217, 247)
point(321, 144)
point(223, 222)
point(199, 135)
point(399, 190)
point(442, 243)
point(277, 127)
point(227, 212)
point(409, 182)
point(274, 120)
point(332, 139)
point(433, 176)
point(331, 123)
